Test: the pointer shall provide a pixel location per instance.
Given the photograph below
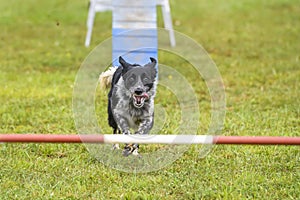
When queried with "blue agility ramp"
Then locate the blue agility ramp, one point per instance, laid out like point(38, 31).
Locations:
point(134, 31)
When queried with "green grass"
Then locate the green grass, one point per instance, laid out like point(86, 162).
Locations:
point(255, 45)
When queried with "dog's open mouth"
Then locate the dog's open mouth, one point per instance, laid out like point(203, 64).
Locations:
point(139, 100)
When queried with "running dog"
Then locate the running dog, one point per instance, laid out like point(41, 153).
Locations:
point(131, 99)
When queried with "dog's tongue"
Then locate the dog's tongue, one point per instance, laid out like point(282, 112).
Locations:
point(145, 95)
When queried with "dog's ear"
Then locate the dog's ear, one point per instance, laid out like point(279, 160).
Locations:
point(153, 60)
point(152, 66)
point(124, 64)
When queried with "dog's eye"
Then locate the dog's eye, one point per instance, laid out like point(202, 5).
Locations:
point(145, 79)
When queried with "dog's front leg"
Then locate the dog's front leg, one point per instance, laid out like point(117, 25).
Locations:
point(145, 126)
point(122, 123)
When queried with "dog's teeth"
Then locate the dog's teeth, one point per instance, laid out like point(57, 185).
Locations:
point(140, 99)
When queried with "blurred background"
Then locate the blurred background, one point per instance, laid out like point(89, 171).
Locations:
point(255, 45)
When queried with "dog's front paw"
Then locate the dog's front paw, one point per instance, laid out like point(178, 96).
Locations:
point(130, 149)
point(127, 150)
point(136, 153)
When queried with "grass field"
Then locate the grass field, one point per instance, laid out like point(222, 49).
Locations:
point(256, 46)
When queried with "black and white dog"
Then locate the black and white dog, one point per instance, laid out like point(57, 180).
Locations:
point(131, 99)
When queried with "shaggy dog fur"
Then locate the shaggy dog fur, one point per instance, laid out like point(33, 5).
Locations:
point(131, 99)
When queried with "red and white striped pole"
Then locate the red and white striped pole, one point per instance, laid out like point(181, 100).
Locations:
point(149, 139)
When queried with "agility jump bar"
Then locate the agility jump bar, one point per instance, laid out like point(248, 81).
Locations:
point(150, 139)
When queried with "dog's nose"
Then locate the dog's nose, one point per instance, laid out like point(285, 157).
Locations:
point(138, 91)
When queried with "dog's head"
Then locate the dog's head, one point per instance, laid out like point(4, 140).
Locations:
point(139, 80)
